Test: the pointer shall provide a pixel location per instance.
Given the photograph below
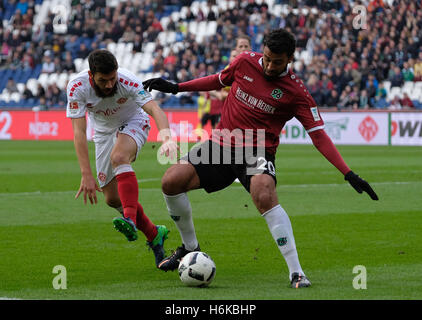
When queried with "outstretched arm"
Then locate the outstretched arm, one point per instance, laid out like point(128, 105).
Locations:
point(207, 83)
point(327, 148)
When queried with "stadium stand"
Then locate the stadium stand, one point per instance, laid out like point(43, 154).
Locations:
point(44, 43)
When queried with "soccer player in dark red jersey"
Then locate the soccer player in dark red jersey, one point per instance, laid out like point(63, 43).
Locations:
point(264, 95)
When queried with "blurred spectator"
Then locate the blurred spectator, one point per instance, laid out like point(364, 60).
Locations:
point(27, 93)
point(397, 78)
point(40, 91)
point(11, 86)
point(395, 104)
point(345, 100)
point(83, 51)
point(363, 100)
point(48, 64)
point(28, 61)
point(42, 105)
point(407, 72)
point(52, 95)
point(68, 65)
point(406, 102)
point(418, 68)
point(243, 43)
point(332, 100)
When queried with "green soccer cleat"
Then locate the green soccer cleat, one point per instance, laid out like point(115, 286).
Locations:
point(127, 227)
point(157, 245)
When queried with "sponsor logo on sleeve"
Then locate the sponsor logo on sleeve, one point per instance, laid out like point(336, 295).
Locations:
point(315, 114)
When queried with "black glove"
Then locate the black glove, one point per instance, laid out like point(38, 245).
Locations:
point(161, 85)
point(360, 185)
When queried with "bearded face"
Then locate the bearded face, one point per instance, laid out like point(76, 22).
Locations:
point(105, 85)
point(274, 64)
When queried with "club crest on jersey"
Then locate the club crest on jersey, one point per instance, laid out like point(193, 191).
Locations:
point(102, 176)
point(121, 100)
point(277, 94)
point(74, 105)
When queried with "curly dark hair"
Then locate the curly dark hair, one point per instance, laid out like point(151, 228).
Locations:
point(102, 61)
point(280, 41)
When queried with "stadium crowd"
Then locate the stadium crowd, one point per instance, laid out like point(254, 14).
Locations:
point(345, 66)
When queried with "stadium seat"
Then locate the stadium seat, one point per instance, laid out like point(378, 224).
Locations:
point(415, 95)
point(52, 78)
point(395, 91)
point(32, 85)
point(193, 27)
point(78, 64)
point(418, 86)
point(21, 87)
point(164, 22)
point(387, 85)
point(111, 46)
point(408, 87)
point(43, 78)
point(129, 47)
point(175, 15)
point(15, 97)
point(149, 47)
point(211, 28)
point(201, 32)
point(62, 80)
point(120, 48)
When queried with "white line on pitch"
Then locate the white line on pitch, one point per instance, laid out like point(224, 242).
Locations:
point(234, 186)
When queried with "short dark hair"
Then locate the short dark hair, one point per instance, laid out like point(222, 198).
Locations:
point(280, 41)
point(102, 61)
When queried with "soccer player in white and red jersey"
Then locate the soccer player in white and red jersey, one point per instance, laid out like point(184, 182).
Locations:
point(264, 94)
point(118, 108)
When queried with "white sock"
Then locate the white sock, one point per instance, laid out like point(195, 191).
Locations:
point(281, 229)
point(180, 211)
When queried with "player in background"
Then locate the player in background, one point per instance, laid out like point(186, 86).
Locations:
point(243, 43)
point(118, 108)
point(217, 97)
point(264, 95)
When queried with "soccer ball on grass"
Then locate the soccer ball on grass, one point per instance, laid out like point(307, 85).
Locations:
point(197, 269)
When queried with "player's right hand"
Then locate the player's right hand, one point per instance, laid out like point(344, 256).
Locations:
point(360, 185)
point(169, 149)
point(89, 187)
point(161, 85)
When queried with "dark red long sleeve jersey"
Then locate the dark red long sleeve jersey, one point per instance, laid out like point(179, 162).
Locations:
point(258, 105)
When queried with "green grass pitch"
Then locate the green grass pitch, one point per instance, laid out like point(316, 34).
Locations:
point(336, 229)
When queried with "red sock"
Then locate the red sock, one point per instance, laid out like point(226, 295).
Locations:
point(145, 225)
point(127, 186)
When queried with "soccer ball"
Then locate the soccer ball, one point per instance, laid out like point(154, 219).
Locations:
point(197, 269)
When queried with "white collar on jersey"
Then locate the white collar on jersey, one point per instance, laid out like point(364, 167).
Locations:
point(281, 74)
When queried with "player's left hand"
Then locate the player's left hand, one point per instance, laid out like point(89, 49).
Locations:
point(360, 185)
point(169, 148)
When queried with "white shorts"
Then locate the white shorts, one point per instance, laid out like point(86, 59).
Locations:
point(104, 143)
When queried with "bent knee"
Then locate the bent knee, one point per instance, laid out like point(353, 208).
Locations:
point(118, 158)
point(170, 184)
point(178, 179)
